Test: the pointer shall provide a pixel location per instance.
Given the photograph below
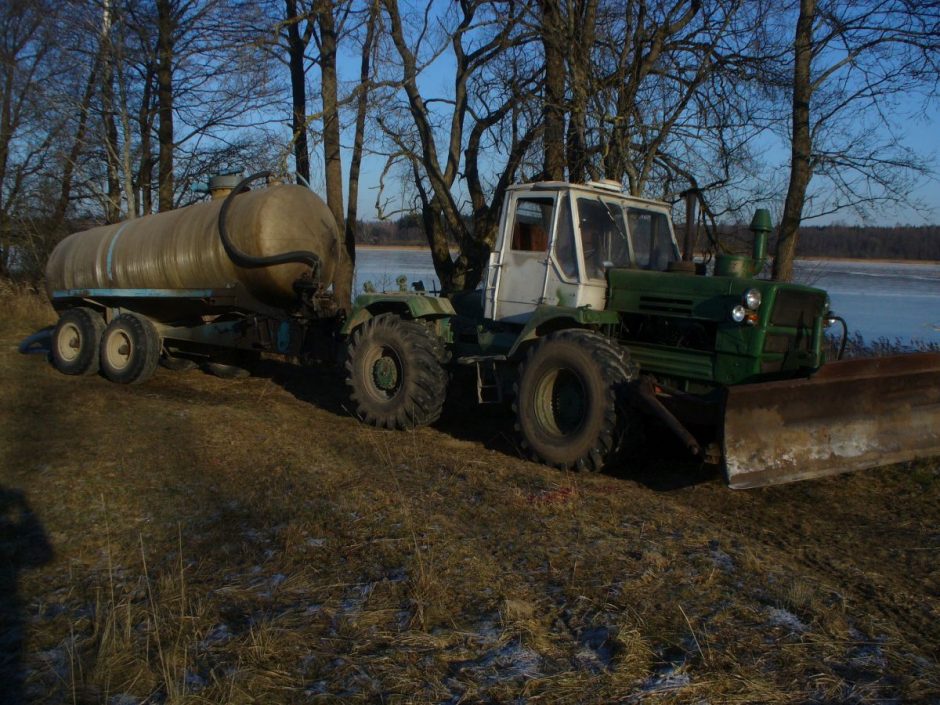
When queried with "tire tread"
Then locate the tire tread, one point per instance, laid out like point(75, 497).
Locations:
point(146, 344)
point(424, 390)
point(614, 362)
point(91, 325)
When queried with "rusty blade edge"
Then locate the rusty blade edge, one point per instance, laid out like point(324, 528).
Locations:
point(862, 414)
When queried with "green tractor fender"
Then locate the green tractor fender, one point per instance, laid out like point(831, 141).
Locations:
point(408, 305)
point(548, 319)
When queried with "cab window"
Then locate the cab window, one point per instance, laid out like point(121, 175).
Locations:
point(603, 236)
point(565, 253)
point(532, 224)
point(652, 240)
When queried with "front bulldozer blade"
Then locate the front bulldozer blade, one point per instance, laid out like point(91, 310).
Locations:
point(851, 415)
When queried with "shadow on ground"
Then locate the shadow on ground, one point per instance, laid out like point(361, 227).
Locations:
point(660, 464)
point(23, 545)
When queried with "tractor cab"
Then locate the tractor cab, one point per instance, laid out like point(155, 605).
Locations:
point(557, 241)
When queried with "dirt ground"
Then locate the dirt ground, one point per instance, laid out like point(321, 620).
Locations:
point(197, 540)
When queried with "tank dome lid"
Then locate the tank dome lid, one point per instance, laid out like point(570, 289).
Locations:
point(226, 181)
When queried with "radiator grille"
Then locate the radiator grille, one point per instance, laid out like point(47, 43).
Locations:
point(663, 304)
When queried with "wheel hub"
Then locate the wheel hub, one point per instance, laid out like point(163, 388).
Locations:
point(560, 403)
point(119, 350)
point(385, 373)
point(70, 340)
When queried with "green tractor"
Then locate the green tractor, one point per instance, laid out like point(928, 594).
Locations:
point(589, 318)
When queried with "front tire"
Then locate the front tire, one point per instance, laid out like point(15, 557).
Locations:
point(130, 349)
point(75, 341)
point(569, 409)
point(394, 374)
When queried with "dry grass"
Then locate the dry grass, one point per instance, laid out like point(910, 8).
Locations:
point(194, 540)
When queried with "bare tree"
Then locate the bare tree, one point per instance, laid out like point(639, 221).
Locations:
point(109, 123)
point(167, 19)
point(310, 37)
point(28, 131)
point(359, 97)
point(202, 82)
point(554, 38)
point(299, 28)
point(854, 70)
point(330, 17)
point(488, 89)
point(644, 90)
point(361, 100)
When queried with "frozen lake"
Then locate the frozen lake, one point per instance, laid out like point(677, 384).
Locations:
point(878, 299)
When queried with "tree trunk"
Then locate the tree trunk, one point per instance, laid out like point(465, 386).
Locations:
point(145, 128)
point(332, 157)
point(437, 240)
point(127, 153)
point(801, 147)
point(68, 168)
point(112, 149)
point(296, 46)
point(165, 40)
point(355, 162)
point(553, 111)
point(582, 17)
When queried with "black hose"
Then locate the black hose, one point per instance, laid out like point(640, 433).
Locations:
point(845, 334)
point(245, 260)
point(38, 343)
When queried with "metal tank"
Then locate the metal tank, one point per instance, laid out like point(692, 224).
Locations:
point(181, 249)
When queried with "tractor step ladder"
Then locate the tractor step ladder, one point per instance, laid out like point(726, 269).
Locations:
point(489, 381)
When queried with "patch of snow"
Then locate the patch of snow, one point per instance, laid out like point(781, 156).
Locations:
point(57, 660)
point(219, 635)
point(783, 618)
point(317, 688)
point(194, 682)
point(722, 560)
point(123, 699)
point(507, 663)
point(600, 650)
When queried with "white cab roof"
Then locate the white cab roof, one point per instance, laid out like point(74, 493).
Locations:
point(594, 188)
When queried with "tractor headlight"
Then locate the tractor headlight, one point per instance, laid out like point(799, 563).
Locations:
point(738, 314)
point(752, 299)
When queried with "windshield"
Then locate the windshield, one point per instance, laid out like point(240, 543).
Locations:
point(652, 240)
point(603, 236)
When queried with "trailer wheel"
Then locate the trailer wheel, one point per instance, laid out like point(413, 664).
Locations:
point(569, 407)
point(130, 349)
point(394, 374)
point(75, 341)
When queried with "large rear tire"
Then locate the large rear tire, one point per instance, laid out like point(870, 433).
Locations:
point(75, 341)
point(394, 373)
point(130, 349)
point(569, 400)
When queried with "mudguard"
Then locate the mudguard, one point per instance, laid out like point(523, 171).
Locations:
point(850, 415)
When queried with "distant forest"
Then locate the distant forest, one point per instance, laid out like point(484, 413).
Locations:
point(899, 242)
point(863, 242)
